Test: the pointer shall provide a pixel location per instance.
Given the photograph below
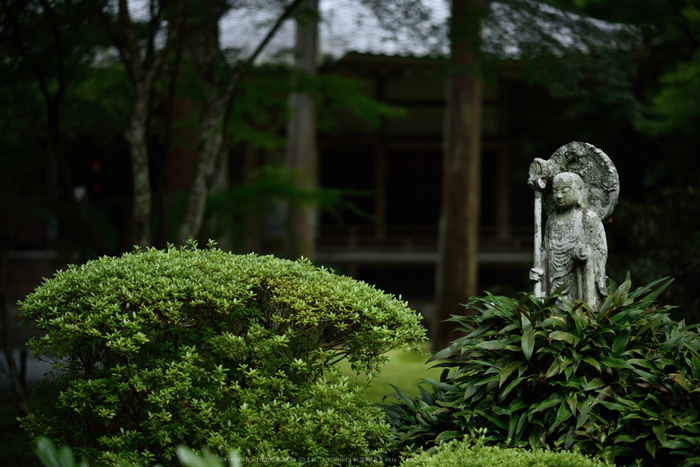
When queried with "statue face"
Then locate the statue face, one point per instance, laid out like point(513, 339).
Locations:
point(564, 193)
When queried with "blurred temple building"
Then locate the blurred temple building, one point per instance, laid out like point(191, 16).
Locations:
point(394, 169)
point(392, 241)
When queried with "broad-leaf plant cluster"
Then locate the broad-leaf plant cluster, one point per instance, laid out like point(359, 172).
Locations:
point(622, 384)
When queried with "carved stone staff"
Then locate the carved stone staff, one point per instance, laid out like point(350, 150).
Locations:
point(540, 172)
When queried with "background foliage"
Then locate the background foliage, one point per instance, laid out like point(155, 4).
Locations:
point(65, 99)
point(661, 238)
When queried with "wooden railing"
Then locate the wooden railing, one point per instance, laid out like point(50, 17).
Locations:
point(416, 244)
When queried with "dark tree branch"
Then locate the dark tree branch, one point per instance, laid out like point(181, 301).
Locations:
point(291, 8)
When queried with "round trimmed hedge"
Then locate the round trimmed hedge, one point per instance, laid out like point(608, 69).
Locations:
point(474, 452)
point(203, 348)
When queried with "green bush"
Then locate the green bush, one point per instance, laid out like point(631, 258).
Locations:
point(207, 349)
point(51, 456)
point(453, 453)
point(622, 384)
point(475, 453)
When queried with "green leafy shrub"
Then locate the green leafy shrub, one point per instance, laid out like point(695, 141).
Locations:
point(623, 383)
point(51, 456)
point(207, 349)
point(475, 453)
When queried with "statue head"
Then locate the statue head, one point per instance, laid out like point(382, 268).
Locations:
point(567, 190)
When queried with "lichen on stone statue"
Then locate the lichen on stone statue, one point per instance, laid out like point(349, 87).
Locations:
point(580, 187)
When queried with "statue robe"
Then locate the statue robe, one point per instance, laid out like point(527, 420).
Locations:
point(565, 238)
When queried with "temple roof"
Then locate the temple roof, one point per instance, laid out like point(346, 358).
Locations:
point(511, 30)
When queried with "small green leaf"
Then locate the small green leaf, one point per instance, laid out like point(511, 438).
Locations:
point(479, 331)
point(521, 423)
point(625, 438)
point(554, 320)
point(553, 370)
point(620, 295)
point(506, 372)
point(592, 361)
point(563, 414)
point(438, 384)
point(650, 445)
point(510, 387)
point(577, 319)
point(572, 401)
point(492, 345)
point(470, 391)
point(695, 366)
point(643, 289)
point(528, 343)
point(444, 353)
point(581, 418)
point(653, 296)
point(660, 432)
point(648, 364)
point(512, 426)
point(680, 380)
point(449, 434)
point(495, 420)
point(616, 363)
point(562, 336)
point(620, 343)
point(551, 401)
point(404, 397)
point(526, 320)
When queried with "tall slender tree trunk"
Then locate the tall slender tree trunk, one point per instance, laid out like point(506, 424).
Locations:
point(215, 114)
point(211, 137)
point(301, 154)
point(141, 173)
point(144, 65)
point(461, 197)
point(211, 131)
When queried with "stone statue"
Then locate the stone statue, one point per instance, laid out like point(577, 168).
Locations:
point(583, 191)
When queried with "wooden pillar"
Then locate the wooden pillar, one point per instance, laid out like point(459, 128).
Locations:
point(301, 137)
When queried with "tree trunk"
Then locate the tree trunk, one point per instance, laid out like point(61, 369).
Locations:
point(143, 65)
point(20, 398)
point(215, 114)
point(211, 131)
point(301, 154)
point(211, 135)
point(138, 148)
point(457, 270)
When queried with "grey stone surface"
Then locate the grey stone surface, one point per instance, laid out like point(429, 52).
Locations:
point(577, 188)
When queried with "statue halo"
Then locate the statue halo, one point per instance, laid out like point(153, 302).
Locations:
point(600, 178)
